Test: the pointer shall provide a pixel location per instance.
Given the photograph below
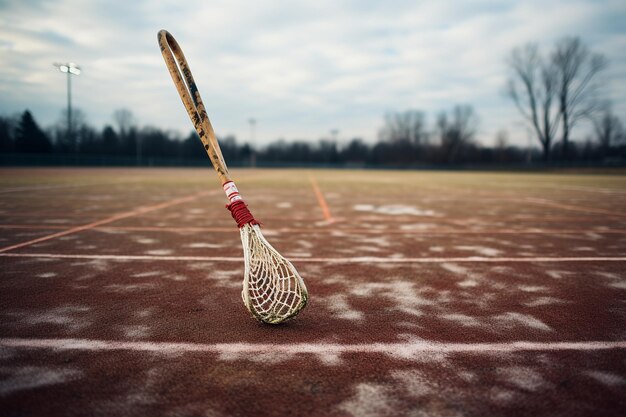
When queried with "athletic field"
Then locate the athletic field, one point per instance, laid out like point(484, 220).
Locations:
point(432, 294)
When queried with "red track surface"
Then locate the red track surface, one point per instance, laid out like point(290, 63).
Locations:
point(440, 295)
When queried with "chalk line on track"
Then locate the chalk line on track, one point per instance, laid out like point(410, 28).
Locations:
point(351, 260)
point(366, 231)
point(54, 187)
point(426, 232)
point(537, 201)
point(393, 349)
point(548, 203)
point(135, 212)
point(614, 191)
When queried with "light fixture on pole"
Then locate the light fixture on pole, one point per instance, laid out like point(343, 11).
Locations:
point(70, 69)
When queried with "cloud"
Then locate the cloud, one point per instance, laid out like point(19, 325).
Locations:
point(299, 68)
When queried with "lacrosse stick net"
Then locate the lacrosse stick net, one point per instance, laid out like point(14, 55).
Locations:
point(273, 291)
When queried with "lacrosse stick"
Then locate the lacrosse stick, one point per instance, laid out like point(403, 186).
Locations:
point(273, 290)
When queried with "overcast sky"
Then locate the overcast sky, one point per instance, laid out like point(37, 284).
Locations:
point(301, 68)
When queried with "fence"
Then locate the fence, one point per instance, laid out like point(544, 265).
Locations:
point(76, 160)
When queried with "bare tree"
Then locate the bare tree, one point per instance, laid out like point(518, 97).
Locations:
point(456, 130)
point(408, 126)
point(533, 87)
point(7, 133)
point(124, 120)
point(69, 140)
point(501, 145)
point(577, 69)
point(608, 129)
point(126, 125)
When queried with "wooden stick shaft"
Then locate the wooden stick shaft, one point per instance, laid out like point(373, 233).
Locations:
point(189, 94)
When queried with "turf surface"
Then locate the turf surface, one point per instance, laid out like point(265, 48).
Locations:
point(432, 293)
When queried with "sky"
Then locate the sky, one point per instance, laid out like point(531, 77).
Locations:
point(300, 68)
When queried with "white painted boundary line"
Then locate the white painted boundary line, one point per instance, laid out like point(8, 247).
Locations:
point(358, 260)
point(57, 186)
point(401, 350)
point(110, 219)
point(313, 230)
point(548, 203)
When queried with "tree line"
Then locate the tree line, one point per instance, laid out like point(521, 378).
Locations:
point(406, 139)
point(554, 93)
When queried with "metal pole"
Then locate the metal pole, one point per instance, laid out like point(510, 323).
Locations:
point(69, 108)
point(71, 69)
point(252, 123)
point(252, 154)
point(138, 149)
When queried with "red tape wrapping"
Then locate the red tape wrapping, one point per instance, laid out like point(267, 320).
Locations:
point(241, 214)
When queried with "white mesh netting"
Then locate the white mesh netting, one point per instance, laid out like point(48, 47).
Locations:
point(273, 290)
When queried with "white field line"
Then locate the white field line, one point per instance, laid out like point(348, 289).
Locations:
point(612, 191)
point(608, 191)
point(367, 231)
point(544, 202)
point(57, 186)
point(537, 201)
point(241, 179)
point(398, 350)
point(312, 230)
point(351, 260)
point(135, 212)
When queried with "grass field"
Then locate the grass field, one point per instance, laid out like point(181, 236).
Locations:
point(432, 294)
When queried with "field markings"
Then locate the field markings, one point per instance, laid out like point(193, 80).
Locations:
point(49, 214)
point(557, 187)
point(321, 200)
point(119, 216)
point(354, 219)
point(362, 230)
point(242, 179)
point(315, 230)
point(349, 260)
point(58, 186)
point(402, 350)
point(532, 200)
point(548, 203)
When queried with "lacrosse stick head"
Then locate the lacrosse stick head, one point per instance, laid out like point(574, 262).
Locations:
point(273, 291)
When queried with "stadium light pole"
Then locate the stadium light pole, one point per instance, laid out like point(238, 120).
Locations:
point(70, 69)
